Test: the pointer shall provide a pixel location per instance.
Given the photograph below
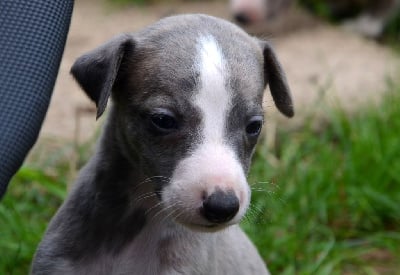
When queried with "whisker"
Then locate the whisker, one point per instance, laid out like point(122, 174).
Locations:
point(251, 216)
point(163, 210)
point(150, 179)
point(142, 198)
point(170, 214)
point(153, 207)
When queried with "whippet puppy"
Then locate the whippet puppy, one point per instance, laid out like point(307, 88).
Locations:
point(166, 186)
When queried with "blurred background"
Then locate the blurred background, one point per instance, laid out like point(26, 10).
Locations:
point(326, 184)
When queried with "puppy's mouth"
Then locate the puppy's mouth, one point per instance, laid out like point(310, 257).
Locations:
point(202, 225)
point(205, 227)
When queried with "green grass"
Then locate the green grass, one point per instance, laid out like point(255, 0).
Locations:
point(332, 199)
point(325, 200)
point(24, 213)
point(34, 195)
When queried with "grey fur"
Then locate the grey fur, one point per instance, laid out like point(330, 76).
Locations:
point(112, 221)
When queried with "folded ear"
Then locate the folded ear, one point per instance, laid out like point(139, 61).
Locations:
point(97, 70)
point(276, 79)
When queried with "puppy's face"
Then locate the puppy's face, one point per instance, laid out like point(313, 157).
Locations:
point(188, 109)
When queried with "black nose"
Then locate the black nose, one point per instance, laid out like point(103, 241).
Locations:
point(220, 206)
point(242, 18)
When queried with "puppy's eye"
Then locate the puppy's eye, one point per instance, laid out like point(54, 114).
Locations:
point(163, 121)
point(254, 126)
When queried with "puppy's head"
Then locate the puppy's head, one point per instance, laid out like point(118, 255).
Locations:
point(187, 94)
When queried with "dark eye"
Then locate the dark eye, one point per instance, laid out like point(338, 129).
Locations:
point(254, 126)
point(163, 121)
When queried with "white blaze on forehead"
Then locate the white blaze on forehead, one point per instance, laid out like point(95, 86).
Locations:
point(213, 164)
point(213, 99)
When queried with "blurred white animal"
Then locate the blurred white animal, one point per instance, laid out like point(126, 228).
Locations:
point(367, 17)
point(256, 11)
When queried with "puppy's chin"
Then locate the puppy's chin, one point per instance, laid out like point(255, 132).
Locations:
point(205, 227)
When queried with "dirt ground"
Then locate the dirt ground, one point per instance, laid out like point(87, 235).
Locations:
point(322, 60)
